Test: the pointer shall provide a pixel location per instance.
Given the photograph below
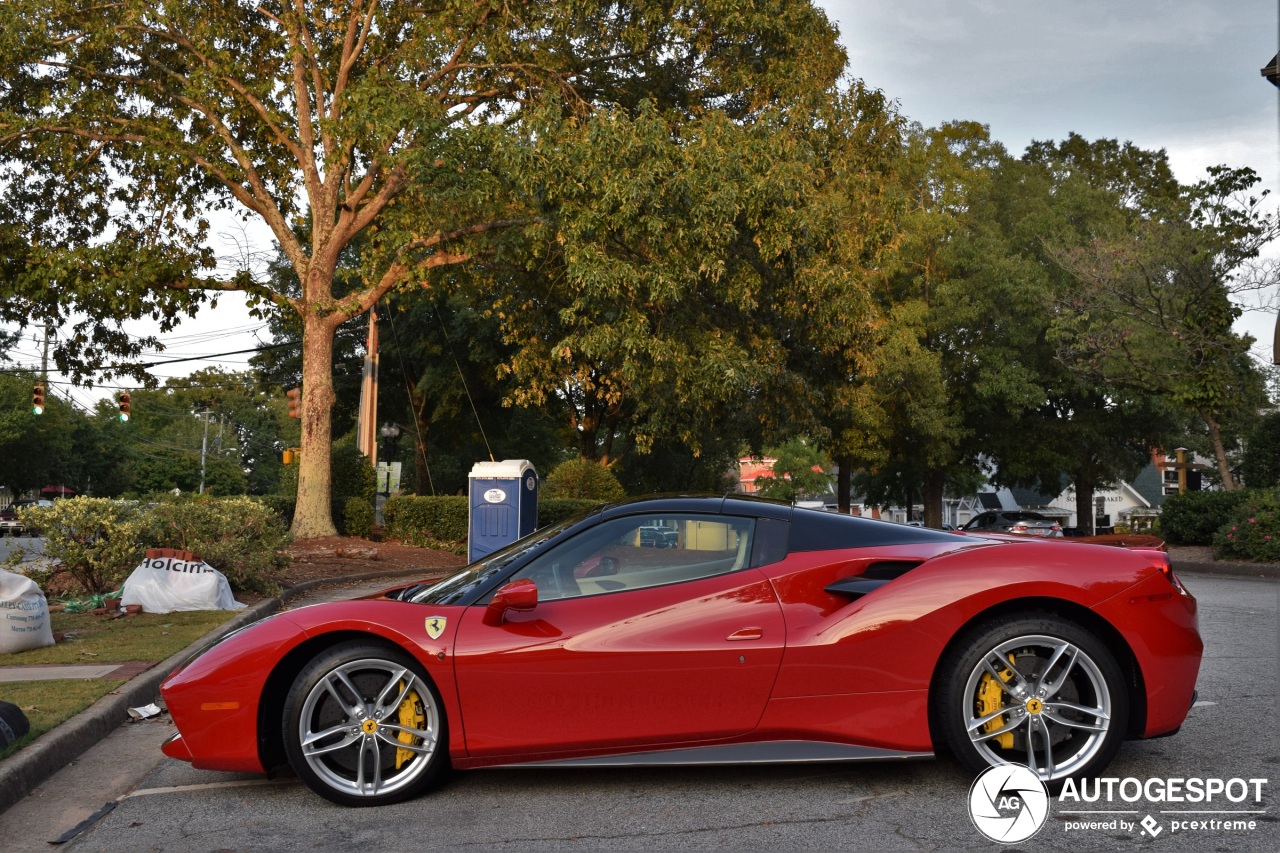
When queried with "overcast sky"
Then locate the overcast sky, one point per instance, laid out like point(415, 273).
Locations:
point(1182, 75)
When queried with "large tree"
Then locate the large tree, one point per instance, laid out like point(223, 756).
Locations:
point(1151, 306)
point(122, 128)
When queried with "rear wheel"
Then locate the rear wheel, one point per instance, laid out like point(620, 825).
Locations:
point(364, 726)
point(1037, 690)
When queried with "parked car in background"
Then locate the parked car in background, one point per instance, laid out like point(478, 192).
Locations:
point(27, 504)
point(1014, 521)
point(9, 523)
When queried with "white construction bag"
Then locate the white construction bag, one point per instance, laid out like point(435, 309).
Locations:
point(165, 583)
point(24, 614)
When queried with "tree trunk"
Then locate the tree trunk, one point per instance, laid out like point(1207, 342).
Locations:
point(931, 495)
point(1084, 505)
point(1219, 451)
point(313, 515)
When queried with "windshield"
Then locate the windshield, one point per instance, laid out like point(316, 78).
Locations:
point(454, 588)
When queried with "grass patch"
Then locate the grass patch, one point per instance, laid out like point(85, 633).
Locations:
point(49, 703)
point(96, 640)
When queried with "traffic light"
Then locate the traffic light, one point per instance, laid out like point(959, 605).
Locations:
point(295, 402)
point(291, 455)
point(124, 406)
point(37, 399)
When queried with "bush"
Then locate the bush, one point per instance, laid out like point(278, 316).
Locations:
point(555, 510)
point(1193, 518)
point(281, 505)
point(353, 476)
point(96, 541)
point(1253, 531)
point(426, 521)
point(582, 479)
point(240, 537)
point(441, 522)
point(357, 517)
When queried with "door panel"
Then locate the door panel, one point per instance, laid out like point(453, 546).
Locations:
point(682, 661)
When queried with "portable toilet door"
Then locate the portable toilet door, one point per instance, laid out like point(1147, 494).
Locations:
point(503, 505)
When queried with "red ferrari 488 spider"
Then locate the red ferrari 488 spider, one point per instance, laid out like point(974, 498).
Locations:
point(707, 631)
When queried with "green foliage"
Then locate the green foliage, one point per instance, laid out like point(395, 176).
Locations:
point(402, 139)
point(281, 505)
point(96, 542)
point(582, 479)
point(357, 517)
point(240, 537)
point(1260, 465)
point(353, 476)
point(1252, 531)
point(421, 521)
point(35, 450)
point(794, 475)
point(1151, 306)
point(555, 510)
point(1194, 518)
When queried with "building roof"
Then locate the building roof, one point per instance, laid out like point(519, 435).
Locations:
point(1032, 498)
point(1150, 484)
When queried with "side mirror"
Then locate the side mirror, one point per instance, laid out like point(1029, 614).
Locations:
point(517, 595)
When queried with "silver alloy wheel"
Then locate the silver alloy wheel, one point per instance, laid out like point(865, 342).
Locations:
point(350, 728)
point(1054, 701)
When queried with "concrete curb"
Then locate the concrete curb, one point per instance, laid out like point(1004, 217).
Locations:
point(23, 771)
point(1224, 567)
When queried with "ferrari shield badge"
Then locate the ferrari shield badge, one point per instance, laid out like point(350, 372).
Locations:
point(435, 626)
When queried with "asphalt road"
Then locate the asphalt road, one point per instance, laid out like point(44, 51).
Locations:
point(1231, 734)
point(32, 545)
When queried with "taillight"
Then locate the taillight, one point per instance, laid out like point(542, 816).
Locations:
point(1057, 528)
point(1161, 561)
point(1019, 528)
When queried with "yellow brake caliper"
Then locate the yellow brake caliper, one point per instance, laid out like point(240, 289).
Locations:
point(412, 716)
point(990, 700)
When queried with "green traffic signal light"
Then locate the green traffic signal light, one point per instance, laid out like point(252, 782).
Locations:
point(124, 406)
point(37, 400)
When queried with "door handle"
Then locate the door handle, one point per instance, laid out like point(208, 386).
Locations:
point(746, 634)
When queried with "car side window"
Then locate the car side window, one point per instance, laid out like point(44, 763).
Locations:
point(641, 551)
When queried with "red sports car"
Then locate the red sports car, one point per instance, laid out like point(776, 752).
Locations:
point(707, 631)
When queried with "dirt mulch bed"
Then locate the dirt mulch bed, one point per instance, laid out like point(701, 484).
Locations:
point(344, 556)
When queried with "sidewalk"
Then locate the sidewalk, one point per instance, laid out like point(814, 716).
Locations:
point(23, 771)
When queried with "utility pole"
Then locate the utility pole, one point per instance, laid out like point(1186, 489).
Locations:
point(367, 428)
point(204, 447)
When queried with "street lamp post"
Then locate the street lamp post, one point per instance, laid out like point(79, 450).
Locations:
point(390, 436)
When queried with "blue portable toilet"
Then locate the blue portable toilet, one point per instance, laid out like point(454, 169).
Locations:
point(504, 505)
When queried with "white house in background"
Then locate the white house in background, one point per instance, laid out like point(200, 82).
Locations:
point(1128, 502)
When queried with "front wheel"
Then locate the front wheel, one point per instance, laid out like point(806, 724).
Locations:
point(364, 726)
point(1037, 690)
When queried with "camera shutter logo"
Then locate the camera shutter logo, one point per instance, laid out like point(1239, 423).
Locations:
point(1008, 803)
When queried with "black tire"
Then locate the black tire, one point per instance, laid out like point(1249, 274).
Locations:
point(348, 749)
point(1060, 706)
